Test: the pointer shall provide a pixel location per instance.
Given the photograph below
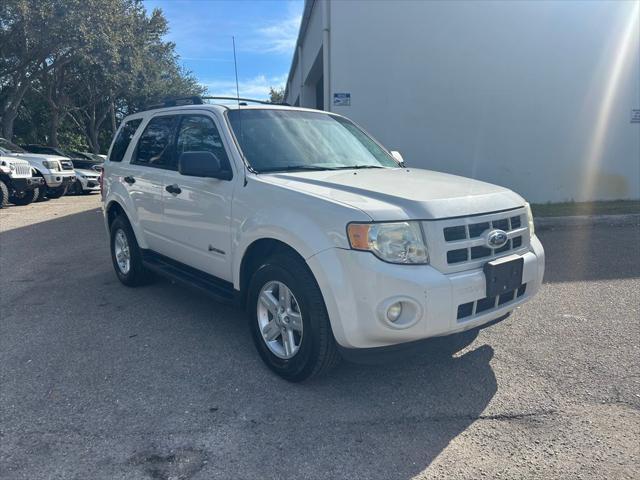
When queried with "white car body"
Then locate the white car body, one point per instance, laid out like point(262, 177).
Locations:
point(309, 212)
point(55, 170)
point(89, 179)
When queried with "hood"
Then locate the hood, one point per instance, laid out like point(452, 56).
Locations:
point(39, 157)
point(402, 193)
point(87, 173)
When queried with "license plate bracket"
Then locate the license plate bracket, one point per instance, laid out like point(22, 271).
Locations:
point(503, 274)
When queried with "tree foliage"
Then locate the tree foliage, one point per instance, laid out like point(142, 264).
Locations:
point(71, 69)
point(276, 95)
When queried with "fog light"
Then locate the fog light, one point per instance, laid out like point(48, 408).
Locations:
point(394, 311)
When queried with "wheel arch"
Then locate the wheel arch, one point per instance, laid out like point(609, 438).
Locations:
point(253, 256)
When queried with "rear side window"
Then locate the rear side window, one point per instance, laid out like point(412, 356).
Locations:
point(198, 133)
point(123, 140)
point(156, 145)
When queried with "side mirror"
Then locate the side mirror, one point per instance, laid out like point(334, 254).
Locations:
point(202, 164)
point(395, 154)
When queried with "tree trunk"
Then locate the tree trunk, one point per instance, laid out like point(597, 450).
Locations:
point(12, 104)
point(54, 125)
point(7, 124)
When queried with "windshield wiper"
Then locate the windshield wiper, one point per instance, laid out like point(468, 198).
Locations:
point(356, 167)
point(291, 168)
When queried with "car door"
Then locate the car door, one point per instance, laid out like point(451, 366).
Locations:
point(144, 177)
point(197, 211)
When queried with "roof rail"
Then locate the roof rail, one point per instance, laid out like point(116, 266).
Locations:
point(240, 99)
point(176, 102)
point(197, 100)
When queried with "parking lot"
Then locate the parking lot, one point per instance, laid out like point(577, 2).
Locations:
point(101, 381)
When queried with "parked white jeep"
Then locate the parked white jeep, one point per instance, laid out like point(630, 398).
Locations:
point(18, 185)
point(56, 172)
point(334, 246)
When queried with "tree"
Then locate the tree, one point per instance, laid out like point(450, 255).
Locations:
point(80, 66)
point(276, 95)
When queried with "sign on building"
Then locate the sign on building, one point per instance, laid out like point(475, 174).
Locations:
point(342, 99)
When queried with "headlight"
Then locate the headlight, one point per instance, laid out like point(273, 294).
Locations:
point(397, 242)
point(532, 227)
point(51, 164)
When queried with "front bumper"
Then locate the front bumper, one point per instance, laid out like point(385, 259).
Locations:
point(26, 184)
point(89, 184)
point(357, 287)
point(57, 179)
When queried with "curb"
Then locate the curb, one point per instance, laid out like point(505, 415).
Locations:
point(544, 223)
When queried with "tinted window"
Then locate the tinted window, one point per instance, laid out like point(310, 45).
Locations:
point(123, 140)
point(155, 147)
point(199, 134)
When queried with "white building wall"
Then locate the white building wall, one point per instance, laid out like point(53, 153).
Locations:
point(535, 96)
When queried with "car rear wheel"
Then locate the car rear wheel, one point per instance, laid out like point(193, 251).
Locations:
point(25, 198)
point(289, 321)
point(57, 192)
point(126, 255)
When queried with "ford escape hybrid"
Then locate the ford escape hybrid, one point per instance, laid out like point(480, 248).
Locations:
point(331, 243)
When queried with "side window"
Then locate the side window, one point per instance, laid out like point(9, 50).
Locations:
point(198, 133)
point(123, 140)
point(155, 148)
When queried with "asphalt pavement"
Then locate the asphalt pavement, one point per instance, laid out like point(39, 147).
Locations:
point(100, 381)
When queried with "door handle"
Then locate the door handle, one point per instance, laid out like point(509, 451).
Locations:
point(129, 180)
point(174, 189)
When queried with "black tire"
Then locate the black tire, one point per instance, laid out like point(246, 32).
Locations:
point(25, 198)
point(42, 194)
point(318, 352)
point(4, 194)
point(77, 188)
point(137, 275)
point(57, 192)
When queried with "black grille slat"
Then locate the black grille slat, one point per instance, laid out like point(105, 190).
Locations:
point(477, 229)
point(505, 248)
point(506, 297)
point(502, 224)
point(457, 256)
point(515, 222)
point(517, 242)
point(480, 252)
point(455, 233)
point(465, 310)
point(485, 304)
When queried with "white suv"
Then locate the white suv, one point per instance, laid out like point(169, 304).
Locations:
point(334, 246)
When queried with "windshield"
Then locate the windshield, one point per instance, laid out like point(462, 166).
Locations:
point(279, 140)
point(86, 164)
point(10, 147)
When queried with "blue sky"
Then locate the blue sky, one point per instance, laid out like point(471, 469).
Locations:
point(265, 33)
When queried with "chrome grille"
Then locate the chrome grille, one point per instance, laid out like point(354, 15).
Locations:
point(459, 244)
point(22, 169)
point(66, 164)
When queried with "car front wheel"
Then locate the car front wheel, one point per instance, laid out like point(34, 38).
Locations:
point(25, 198)
point(289, 321)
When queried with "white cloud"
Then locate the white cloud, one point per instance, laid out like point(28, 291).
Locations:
point(256, 87)
point(278, 37)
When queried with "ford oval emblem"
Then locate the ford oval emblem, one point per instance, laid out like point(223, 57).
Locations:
point(497, 238)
